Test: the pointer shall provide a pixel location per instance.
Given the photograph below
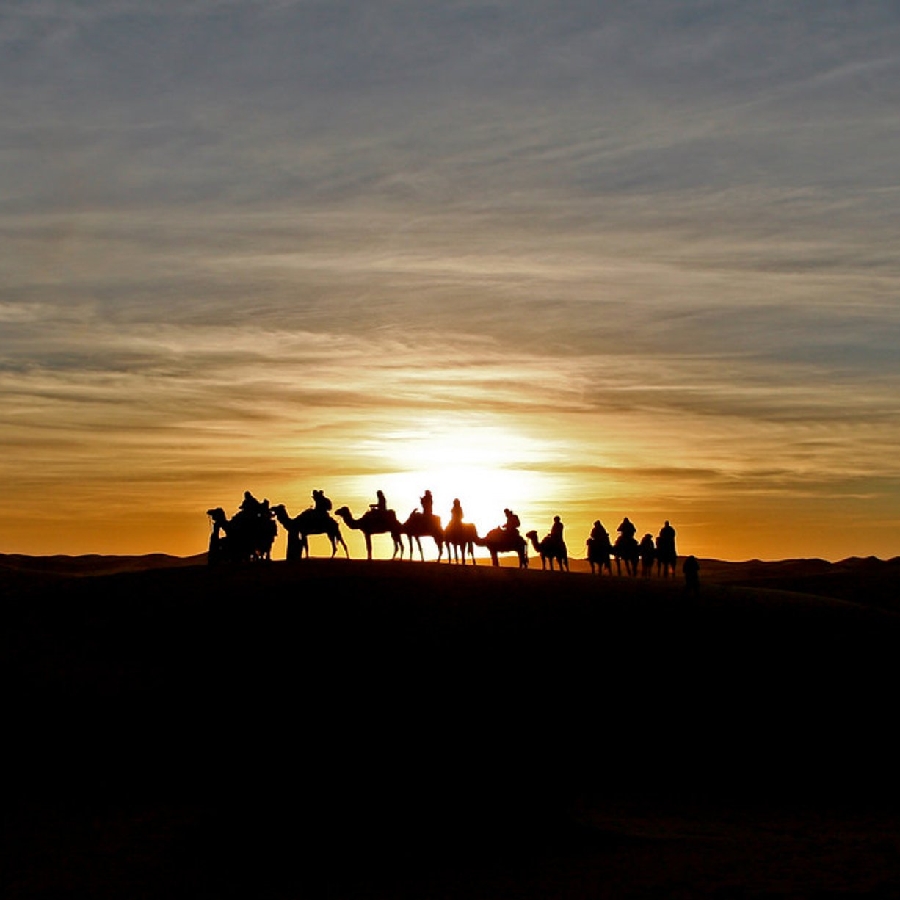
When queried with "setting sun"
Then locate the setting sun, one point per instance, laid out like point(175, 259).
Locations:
point(486, 464)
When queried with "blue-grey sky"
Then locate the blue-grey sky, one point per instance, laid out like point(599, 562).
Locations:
point(594, 259)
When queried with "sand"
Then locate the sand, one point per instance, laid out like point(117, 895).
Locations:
point(375, 729)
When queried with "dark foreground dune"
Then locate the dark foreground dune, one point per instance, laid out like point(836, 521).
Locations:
point(355, 729)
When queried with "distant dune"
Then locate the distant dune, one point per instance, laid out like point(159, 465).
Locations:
point(96, 564)
point(868, 581)
point(353, 728)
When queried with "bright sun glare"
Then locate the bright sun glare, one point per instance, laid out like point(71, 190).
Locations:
point(487, 467)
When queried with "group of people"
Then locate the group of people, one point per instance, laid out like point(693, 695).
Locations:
point(259, 514)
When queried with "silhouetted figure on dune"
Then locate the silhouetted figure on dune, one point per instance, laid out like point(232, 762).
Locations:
point(691, 570)
point(310, 521)
point(556, 530)
point(505, 539)
point(424, 524)
point(376, 520)
point(512, 522)
point(459, 536)
point(599, 548)
point(248, 535)
point(647, 551)
point(626, 548)
point(321, 503)
point(666, 555)
point(552, 547)
point(250, 504)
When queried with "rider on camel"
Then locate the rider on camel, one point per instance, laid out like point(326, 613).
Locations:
point(322, 503)
point(556, 531)
point(666, 538)
point(250, 505)
point(512, 522)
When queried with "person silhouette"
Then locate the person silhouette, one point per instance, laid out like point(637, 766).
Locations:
point(667, 537)
point(627, 529)
point(512, 521)
point(250, 504)
point(456, 512)
point(321, 502)
point(556, 530)
point(381, 504)
point(599, 533)
point(427, 504)
point(691, 570)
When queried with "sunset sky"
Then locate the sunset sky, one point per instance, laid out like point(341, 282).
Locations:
point(589, 259)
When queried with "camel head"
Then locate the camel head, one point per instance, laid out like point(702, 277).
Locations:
point(217, 514)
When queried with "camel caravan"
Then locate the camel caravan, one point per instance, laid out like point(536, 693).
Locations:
point(250, 533)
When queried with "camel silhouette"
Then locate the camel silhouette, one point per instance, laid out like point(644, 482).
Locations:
point(626, 549)
point(242, 538)
point(550, 550)
point(374, 521)
point(460, 537)
point(499, 540)
point(666, 555)
point(310, 521)
point(599, 550)
point(420, 525)
point(647, 551)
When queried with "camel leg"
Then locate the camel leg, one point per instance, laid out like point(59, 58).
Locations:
point(368, 545)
